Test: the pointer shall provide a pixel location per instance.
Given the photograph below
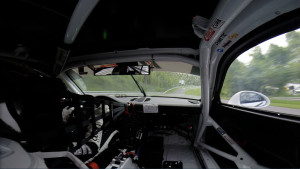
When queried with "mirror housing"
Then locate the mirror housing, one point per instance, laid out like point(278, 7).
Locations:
point(249, 99)
point(123, 70)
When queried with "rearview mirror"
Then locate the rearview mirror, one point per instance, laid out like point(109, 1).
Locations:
point(123, 70)
point(249, 99)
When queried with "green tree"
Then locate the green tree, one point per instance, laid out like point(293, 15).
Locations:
point(234, 80)
point(267, 73)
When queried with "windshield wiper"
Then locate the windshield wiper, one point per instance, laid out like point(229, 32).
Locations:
point(139, 86)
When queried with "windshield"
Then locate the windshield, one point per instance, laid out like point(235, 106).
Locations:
point(167, 79)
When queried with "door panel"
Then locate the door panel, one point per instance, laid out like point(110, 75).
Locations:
point(271, 142)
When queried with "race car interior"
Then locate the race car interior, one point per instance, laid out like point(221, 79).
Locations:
point(148, 134)
point(149, 84)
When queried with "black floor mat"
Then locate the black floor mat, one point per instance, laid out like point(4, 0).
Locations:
point(151, 153)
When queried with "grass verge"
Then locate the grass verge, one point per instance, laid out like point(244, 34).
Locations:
point(173, 90)
point(285, 103)
point(195, 92)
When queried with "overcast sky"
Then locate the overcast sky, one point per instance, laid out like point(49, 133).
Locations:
point(278, 40)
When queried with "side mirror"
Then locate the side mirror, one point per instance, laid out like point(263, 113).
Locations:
point(123, 70)
point(249, 99)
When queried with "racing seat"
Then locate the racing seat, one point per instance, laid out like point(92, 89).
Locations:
point(42, 120)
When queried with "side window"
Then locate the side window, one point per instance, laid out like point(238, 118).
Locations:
point(267, 76)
